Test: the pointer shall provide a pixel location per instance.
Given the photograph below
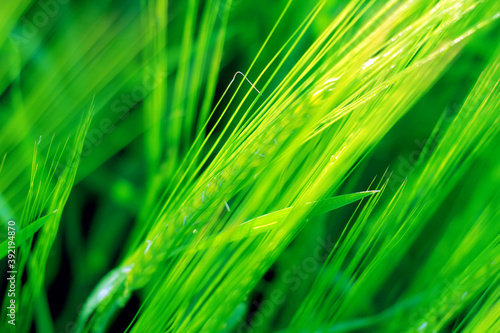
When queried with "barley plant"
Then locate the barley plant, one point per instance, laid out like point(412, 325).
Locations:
point(250, 166)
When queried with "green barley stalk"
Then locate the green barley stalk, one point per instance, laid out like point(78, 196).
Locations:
point(298, 115)
point(231, 190)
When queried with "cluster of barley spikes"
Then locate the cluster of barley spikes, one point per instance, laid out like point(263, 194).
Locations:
point(151, 189)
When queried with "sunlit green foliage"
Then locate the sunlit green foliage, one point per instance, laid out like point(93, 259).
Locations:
point(231, 166)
